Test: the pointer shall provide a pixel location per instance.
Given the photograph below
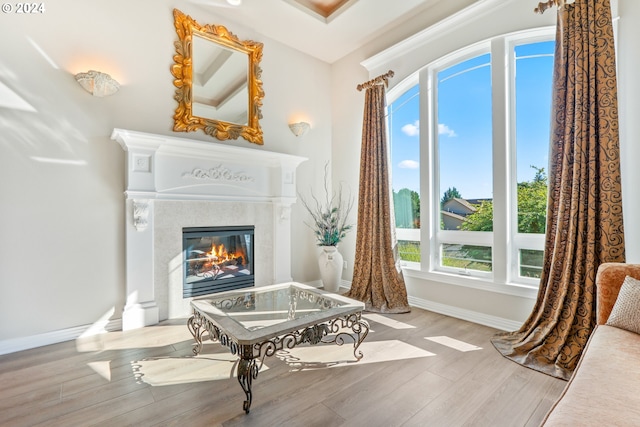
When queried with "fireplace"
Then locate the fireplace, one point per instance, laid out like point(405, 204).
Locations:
point(173, 183)
point(217, 259)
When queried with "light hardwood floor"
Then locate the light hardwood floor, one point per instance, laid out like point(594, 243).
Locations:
point(147, 377)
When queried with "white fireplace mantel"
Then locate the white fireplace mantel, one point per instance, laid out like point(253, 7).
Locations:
point(164, 168)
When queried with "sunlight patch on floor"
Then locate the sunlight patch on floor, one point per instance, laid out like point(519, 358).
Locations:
point(183, 370)
point(332, 356)
point(102, 368)
point(387, 322)
point(453, 343)
point(151, 336)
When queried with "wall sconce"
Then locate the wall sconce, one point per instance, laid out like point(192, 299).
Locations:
point(97, 83)
point(299, 128)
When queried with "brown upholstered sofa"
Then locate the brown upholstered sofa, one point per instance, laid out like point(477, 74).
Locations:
point(605, 387)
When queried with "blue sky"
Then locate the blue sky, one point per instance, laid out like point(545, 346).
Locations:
point(464, 123)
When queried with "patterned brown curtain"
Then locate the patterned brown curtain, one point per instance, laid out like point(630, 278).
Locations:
point(584, 214)
point(377, 278)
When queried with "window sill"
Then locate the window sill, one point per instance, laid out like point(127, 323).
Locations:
point(515, 289)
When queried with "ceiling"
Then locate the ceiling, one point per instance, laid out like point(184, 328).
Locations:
point(325, 29)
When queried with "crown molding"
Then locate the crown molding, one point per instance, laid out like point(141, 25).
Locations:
point(446, 25)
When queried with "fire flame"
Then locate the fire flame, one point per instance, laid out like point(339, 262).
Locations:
point(219, 260)
point(219, 253)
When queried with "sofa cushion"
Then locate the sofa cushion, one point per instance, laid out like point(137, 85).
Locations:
point(626, 311)
point(608, 282)
point(605, 387)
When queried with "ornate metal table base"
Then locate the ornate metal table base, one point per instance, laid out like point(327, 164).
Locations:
point(332, 331)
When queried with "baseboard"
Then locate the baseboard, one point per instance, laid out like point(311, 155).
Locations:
point(448, 310)
point(54, 337)
point(314, 283)
point(469, 315)
point(344, 284)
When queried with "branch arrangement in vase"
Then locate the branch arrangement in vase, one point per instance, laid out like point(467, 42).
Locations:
point(329, 215)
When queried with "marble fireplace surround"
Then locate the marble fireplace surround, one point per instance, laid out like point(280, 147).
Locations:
point(173, 183)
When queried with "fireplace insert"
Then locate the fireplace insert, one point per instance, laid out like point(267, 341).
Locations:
point(217, 259)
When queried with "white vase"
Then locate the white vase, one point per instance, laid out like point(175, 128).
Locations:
point(330, 263)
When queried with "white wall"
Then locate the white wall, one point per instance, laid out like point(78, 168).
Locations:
point(498, 309)
point(62, 209)
point(629, 106)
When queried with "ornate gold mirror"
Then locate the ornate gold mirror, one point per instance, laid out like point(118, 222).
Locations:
point(217, 77)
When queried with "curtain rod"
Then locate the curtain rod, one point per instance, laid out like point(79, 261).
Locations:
point(542, 6)
point(383, 78)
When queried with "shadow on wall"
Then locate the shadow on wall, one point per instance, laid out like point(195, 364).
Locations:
point(62, 198)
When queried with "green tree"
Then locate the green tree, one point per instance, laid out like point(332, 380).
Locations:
point(532, 208)
point(481, 219)
point(407, 208)
point(452, 192)
point(532, 203)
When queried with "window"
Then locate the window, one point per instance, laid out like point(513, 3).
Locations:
point(533, 80)
point(488, 109)
point(464, 162)
point(404, 128)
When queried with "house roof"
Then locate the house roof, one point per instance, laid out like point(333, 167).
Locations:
point(477, 201)
point(453, 215)
point(462, 203)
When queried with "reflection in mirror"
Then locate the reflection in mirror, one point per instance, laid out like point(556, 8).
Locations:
point(220, 86)
point(217, 77)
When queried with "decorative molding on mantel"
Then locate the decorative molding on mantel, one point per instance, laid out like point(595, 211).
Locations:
point(141, 214)
point(218, 173)
point(285, 212)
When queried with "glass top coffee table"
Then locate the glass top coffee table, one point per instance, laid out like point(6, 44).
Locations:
point(257, 322)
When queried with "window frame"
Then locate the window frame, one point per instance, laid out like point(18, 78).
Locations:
point(520, 241)
point(505, 241)
point(442, 237)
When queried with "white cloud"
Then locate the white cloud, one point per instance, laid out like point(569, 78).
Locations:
point(408, 164)
point(444, 130)
point(412, 129)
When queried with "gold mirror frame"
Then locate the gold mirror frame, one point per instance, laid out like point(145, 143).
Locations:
point(182, 70)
